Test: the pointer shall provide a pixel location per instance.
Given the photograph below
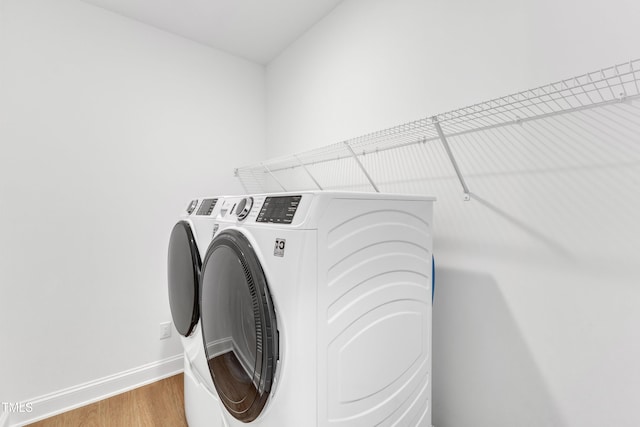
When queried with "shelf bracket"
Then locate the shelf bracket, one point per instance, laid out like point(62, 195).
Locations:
point(273, 176)
point(308, 173)
point(355, 157)
point(452, 159)
point(237, 175)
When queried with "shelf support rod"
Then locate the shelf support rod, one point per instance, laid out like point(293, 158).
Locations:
point(308, 173)
point(355, 157)
point(237, 175)
point(443, 139)
point(273, 176)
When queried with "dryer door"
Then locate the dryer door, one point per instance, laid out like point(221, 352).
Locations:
point(238, 325)
point(183, 275)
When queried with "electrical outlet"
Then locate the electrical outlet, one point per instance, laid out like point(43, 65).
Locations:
point(165, 330)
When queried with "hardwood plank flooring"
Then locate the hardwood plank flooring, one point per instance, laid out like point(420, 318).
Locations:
point(160, 404)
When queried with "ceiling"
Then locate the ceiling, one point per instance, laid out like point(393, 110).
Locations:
point(257, 30)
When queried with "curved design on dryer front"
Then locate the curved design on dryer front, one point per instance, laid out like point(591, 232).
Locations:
point(238, 325)
point(374, 317)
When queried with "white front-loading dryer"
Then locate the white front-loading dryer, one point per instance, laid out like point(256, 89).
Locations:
point(188, 243)
point(316, 309)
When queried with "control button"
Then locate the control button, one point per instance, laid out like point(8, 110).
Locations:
point(192, 206)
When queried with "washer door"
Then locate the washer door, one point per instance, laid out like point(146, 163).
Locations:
point(183, 275)
point(238, 325)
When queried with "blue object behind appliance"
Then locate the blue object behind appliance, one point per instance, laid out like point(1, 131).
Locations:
point(433, 278)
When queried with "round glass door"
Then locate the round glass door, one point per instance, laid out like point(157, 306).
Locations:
point(183, 276)
point(238, 325)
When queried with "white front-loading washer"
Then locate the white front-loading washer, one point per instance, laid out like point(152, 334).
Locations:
point(188, 243)
point(316, 309)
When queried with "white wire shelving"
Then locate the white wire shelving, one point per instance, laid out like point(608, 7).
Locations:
point(350, 164)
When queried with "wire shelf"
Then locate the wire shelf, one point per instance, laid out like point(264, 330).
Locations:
point(349, 165)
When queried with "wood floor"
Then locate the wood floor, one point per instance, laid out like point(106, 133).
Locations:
point(158, 404)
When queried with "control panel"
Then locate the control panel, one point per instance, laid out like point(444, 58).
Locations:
point(279, 209)
point(206, 207)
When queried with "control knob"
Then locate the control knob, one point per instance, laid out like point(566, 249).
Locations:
point(244, 207)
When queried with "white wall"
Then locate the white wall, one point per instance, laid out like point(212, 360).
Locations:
point(535, 320)
point(107, 128)
point(373, 64)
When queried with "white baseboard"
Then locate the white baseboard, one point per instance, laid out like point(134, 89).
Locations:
point(93, 391)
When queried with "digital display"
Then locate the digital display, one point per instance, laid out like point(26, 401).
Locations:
point(206, 207)
point(279, 210)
